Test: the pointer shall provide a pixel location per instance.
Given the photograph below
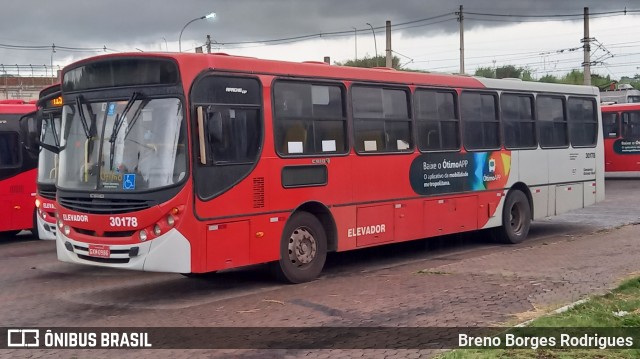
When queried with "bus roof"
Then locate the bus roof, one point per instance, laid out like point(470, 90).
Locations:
point(620, 107)
point(193, 64)
point(15, 109)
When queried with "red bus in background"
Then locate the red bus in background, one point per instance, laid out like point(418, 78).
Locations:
point(17, 171)
point(50, 106)
point(621, 130)
point(193, 163)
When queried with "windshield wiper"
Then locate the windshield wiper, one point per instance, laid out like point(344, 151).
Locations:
point(85, 125)
point(117, 124)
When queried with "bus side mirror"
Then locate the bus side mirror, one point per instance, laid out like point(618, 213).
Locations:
point(30, 132)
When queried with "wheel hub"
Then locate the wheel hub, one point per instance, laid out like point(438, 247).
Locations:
point(302, 247)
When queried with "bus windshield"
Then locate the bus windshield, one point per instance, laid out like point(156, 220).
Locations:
point(130, 145)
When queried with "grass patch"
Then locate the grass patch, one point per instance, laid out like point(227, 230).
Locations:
point(617, 309)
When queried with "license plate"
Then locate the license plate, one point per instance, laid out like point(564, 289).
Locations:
point(99, 251)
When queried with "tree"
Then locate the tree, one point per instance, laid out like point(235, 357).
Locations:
point(485, 72)
point(371, 62)
point(508, 71)
point(549, 79)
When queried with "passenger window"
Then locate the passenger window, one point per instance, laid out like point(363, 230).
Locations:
point(631, 125)
point(436, 120)
point(517, 121)
point(480, 121)
point(309, 118)
point(610, 125)
point(9, 149)
point(381, 120)
point(583, 122)
point(551, 122)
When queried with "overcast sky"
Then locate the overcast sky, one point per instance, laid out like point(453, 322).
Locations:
point(547, 45)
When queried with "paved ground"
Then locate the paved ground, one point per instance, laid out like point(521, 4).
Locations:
point(453, 281)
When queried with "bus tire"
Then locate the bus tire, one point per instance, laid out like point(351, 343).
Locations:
point(303, 249)
point(516, 219)
point(34, 229)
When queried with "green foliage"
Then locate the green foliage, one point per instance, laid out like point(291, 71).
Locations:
point(378, 61)
point(549, 79)
point(486, 72)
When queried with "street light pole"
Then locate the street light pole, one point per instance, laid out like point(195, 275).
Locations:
point(375, 43)
point(208, 16)
point(165, 44)
point(355, 33)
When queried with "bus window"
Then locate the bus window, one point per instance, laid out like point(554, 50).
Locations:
point(309, 118)
point(552, 122)
point(9, 149)
point(437, 121)
point(381, 120)
point(480, 118)
point(517, 121)
point(583, 122)
point(631, 125)
point(610, 125)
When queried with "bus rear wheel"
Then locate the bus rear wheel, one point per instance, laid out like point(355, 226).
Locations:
point(516, 219)
point(303, 249)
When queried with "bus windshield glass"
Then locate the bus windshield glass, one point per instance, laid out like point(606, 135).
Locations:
point(129, 145)
point(47, 160)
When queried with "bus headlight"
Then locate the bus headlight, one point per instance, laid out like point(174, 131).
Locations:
point(67, 230)
point(60, 224)
point(157, 230)
point(143, 235)
point(170, 220)
point(38, 202)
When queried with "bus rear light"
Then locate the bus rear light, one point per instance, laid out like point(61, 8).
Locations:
point(156, 230)
point(143, 235)
point(170, 220)
point(67, 230)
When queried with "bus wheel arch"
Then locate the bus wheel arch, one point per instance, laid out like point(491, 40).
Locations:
point(517, 214)
point(326, 218)
point(304, 244)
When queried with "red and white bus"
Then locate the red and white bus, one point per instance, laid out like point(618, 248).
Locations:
point(194, 163)
point(17, 171)
point(621, 130)
point(50, 110)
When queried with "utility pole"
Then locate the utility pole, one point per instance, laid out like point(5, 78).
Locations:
point(587, 49)
point(460, 20)
point(389, 63)
point(355, 34)
point(208, 44)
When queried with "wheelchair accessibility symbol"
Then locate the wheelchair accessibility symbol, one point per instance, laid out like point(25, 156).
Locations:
point(129, 181)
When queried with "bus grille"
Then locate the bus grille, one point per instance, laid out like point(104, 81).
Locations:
point(50, 195)
point(103, 205)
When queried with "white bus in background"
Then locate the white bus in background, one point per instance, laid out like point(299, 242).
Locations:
point(623, 93)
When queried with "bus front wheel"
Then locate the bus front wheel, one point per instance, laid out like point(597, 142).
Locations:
point(303, 249)
point(516, 219)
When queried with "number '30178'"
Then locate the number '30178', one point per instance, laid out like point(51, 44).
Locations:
point(123, 221)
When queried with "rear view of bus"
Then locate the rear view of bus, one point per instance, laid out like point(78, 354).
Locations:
point(50, 105)
point(621, 129)
point(17, 171)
